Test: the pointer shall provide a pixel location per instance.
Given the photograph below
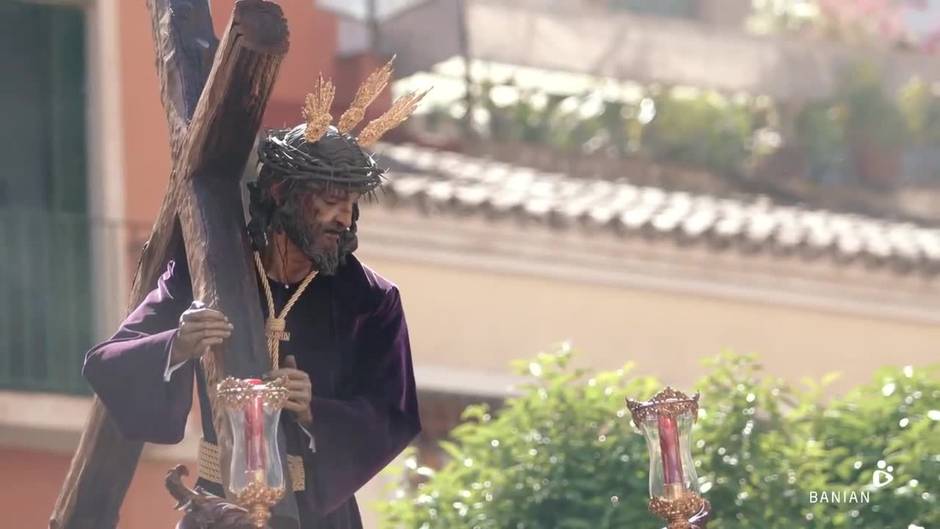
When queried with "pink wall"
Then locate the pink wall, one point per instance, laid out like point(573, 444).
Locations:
point(146, 150)
point(312, 49)
point(36, 477)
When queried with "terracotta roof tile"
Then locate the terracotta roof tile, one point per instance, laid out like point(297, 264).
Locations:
point(439, 181)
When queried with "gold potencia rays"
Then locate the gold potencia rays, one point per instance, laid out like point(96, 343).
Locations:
point(317, 108)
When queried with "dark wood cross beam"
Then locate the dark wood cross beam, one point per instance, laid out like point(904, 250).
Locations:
point(213, 118)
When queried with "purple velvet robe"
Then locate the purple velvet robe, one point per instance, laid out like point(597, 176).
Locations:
point(348, 333)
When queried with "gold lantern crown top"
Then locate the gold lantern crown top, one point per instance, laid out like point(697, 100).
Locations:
point(234, 392)
point(317, 108)
point(667, 403)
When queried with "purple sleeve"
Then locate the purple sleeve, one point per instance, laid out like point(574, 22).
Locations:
point(358, 437)
point(127, 370)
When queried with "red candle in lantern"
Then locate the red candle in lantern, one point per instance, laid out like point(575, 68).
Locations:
point(666, 421)
point(255, 477)
point(254, 431)
point(669, 446)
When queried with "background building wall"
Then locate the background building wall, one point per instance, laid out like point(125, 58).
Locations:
point(147, 159)
point(146, 144)
point(470, 319)
point(39, 476)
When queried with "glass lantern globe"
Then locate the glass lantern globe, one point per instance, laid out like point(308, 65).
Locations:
point(256, 477)
point(671, 468)
point(666, 422)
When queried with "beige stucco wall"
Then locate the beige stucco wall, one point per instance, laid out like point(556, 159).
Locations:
point(468, 322)
point(472, 319)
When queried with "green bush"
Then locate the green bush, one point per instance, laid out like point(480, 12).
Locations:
point(563, 454)
point(920, 106)
point(870, 113)
point(702, 131)
point(820, 133)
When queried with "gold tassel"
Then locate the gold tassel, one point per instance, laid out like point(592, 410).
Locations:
point(275, 327)
point(275, 332)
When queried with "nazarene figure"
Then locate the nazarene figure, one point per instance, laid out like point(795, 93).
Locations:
point(336, 329)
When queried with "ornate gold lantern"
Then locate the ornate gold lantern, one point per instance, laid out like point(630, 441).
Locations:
point(253, 408)
point(666, 422)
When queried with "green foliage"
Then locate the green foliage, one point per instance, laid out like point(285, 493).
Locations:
point(558, 121)
point(751, 451)
point(869, 112)
point(776, 16)
point(860, 127)
point(820, 131)
point(921, 108)
point(703, 130)
point(858, 110)
point(861, 118)
point(891, 424)
point(691, 127)
point(563, 454)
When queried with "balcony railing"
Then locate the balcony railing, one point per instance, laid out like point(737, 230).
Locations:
point(48, 310)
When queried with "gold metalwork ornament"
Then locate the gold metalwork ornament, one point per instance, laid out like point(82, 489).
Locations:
point(365, 95)
point(401, 109)
point(233, 392)
point(258, 498)
point(317, 105)
point(667, 403)
point(317, 109)
point(677, 512)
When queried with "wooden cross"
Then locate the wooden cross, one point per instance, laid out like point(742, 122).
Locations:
point(213, 118)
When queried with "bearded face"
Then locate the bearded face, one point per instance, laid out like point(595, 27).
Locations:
point(320, 222)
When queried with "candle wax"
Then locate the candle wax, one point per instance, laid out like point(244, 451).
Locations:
point(669, 447)
point(254, 434)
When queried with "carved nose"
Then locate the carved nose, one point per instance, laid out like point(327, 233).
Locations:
point(345, 217)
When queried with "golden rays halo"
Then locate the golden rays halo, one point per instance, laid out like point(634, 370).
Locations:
point(317, 105)
point(317, 109)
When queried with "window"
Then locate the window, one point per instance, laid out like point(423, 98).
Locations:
point(45, 301)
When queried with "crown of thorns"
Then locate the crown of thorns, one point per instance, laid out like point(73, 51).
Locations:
point(290, 162)
point(277, 154)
